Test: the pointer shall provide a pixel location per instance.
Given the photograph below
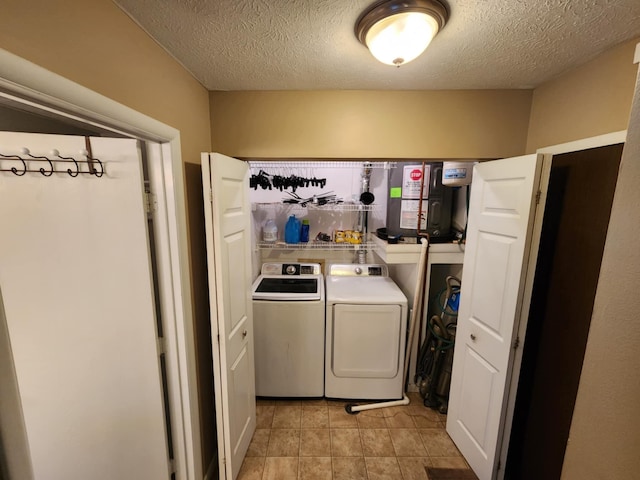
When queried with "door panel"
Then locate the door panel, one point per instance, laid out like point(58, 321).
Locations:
point(500, 224)
point(363, 340)
point(227, 222)
point(76, 280)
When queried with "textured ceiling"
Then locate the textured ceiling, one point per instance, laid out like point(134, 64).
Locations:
point(310, 45)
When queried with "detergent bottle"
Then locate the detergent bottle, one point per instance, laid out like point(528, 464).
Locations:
point(270, 231)
point(292, 230)
point(304, 232)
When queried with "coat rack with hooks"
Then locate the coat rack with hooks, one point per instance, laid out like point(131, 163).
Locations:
point(25, 162)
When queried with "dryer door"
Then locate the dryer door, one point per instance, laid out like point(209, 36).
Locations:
point(366, 341)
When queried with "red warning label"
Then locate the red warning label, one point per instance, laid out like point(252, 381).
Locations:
point(415, 175)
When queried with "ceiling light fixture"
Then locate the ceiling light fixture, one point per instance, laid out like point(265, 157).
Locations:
point(397, 32)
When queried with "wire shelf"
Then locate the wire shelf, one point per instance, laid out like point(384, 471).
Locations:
point(315, 245)
point(337, 207)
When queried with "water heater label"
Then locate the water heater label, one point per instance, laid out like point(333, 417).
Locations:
point(409, 214)
point(411, 180)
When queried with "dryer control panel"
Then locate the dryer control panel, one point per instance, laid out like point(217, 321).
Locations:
point(358, 270)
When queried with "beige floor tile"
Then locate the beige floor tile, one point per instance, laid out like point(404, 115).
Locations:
point(315, 442)
point(315, 416)
point(448, 462)
point(315, 468)
point(264, 416)
point(376, 442)
point(290, 402)
point(382, 468)
point(259, 443)
point(252, 468)
point(317, 439)
point(438, 443)
point(339, 418)
point(280, 468)
point(350, 468)
point(415, 398)
point(284, 443)
point(371, 419)
point(406, 442)
point(398, 417)
point(287, 416)
point(423, 422)
point(345, 442)
point(413, 468)
point(422, 411)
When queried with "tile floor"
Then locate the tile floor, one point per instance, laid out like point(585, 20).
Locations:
point(317, 439)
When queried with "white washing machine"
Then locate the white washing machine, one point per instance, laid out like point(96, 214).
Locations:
point(366, 333)
point(288, 321)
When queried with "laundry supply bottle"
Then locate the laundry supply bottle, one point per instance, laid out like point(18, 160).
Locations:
point(304, 231)
point(292, 230)
point(270, 231)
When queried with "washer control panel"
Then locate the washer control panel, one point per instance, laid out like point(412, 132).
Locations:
point(289, 269)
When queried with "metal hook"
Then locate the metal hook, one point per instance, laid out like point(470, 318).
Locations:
point(56, 153)
point(14, 170)
point(25, 151)
point(95, 171)
point(92, 169)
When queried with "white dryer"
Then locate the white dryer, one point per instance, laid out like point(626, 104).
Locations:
point(288, 321)
point(365, 333)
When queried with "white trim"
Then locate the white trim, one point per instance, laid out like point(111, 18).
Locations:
point(36, 86)
point(586, 143)
point(28, 80)
point(636, 57)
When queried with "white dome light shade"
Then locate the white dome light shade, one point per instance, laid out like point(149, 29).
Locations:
point(398, 31)
point(400, 38)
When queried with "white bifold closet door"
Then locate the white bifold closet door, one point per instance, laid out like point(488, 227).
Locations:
point(76, 281)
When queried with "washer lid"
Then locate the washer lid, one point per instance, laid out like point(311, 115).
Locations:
point(294, 288)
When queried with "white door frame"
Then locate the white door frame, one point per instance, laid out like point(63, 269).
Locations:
point(32, 85)
point(613, 138)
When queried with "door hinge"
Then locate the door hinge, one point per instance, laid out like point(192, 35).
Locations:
point(161, 346)
point(516, 343)
point(538, 196)
point(150, 203)
point(172, 466)
point(499, 465)
point(211, 195)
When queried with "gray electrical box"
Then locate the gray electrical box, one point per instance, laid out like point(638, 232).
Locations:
point(404, 200)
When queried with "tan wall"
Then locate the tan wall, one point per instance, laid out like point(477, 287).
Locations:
point(590, 100)
point(605, 432)
point(95, 44)
point(370, 124)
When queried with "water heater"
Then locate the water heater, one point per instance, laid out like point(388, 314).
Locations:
point(404, 200)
